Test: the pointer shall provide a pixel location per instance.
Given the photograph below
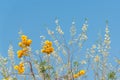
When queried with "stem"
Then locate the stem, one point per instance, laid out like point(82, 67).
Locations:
point(49, 65)
point(44, 76)
point(31, 69)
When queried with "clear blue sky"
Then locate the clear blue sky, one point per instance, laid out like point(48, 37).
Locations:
point(32, 15)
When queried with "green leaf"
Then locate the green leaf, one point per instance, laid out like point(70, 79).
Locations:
point(76, 63)
point(112, 75)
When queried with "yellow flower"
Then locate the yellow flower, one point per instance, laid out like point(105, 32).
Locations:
point(21, 44)
point(20, 68)
point(29, 41)
point(16, 67)
point(20, 53)
point(47, 47)
point(21, 64)
point(81, 72)
point(24, 44)
point(43, 50)
point(48, 43)
point(75, 76)
point(24, 39)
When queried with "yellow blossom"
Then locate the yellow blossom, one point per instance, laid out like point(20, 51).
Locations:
point(29, 41)
point(47, 47)
point(21, 44)
point(24, 44)
point(75, 76)
point(24, 39)
point(81, 72)
point(48, 43)
point(16, 67)
point(20, 68)
point(20, 53)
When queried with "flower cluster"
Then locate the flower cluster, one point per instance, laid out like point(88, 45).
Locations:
point(80, 73)
point(24, 44)
point(20, 68)
point(73, 29)
point(58, 27)
point(47, 47)
point(97, 58)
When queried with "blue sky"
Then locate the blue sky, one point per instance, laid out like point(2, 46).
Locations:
point(32, 15)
